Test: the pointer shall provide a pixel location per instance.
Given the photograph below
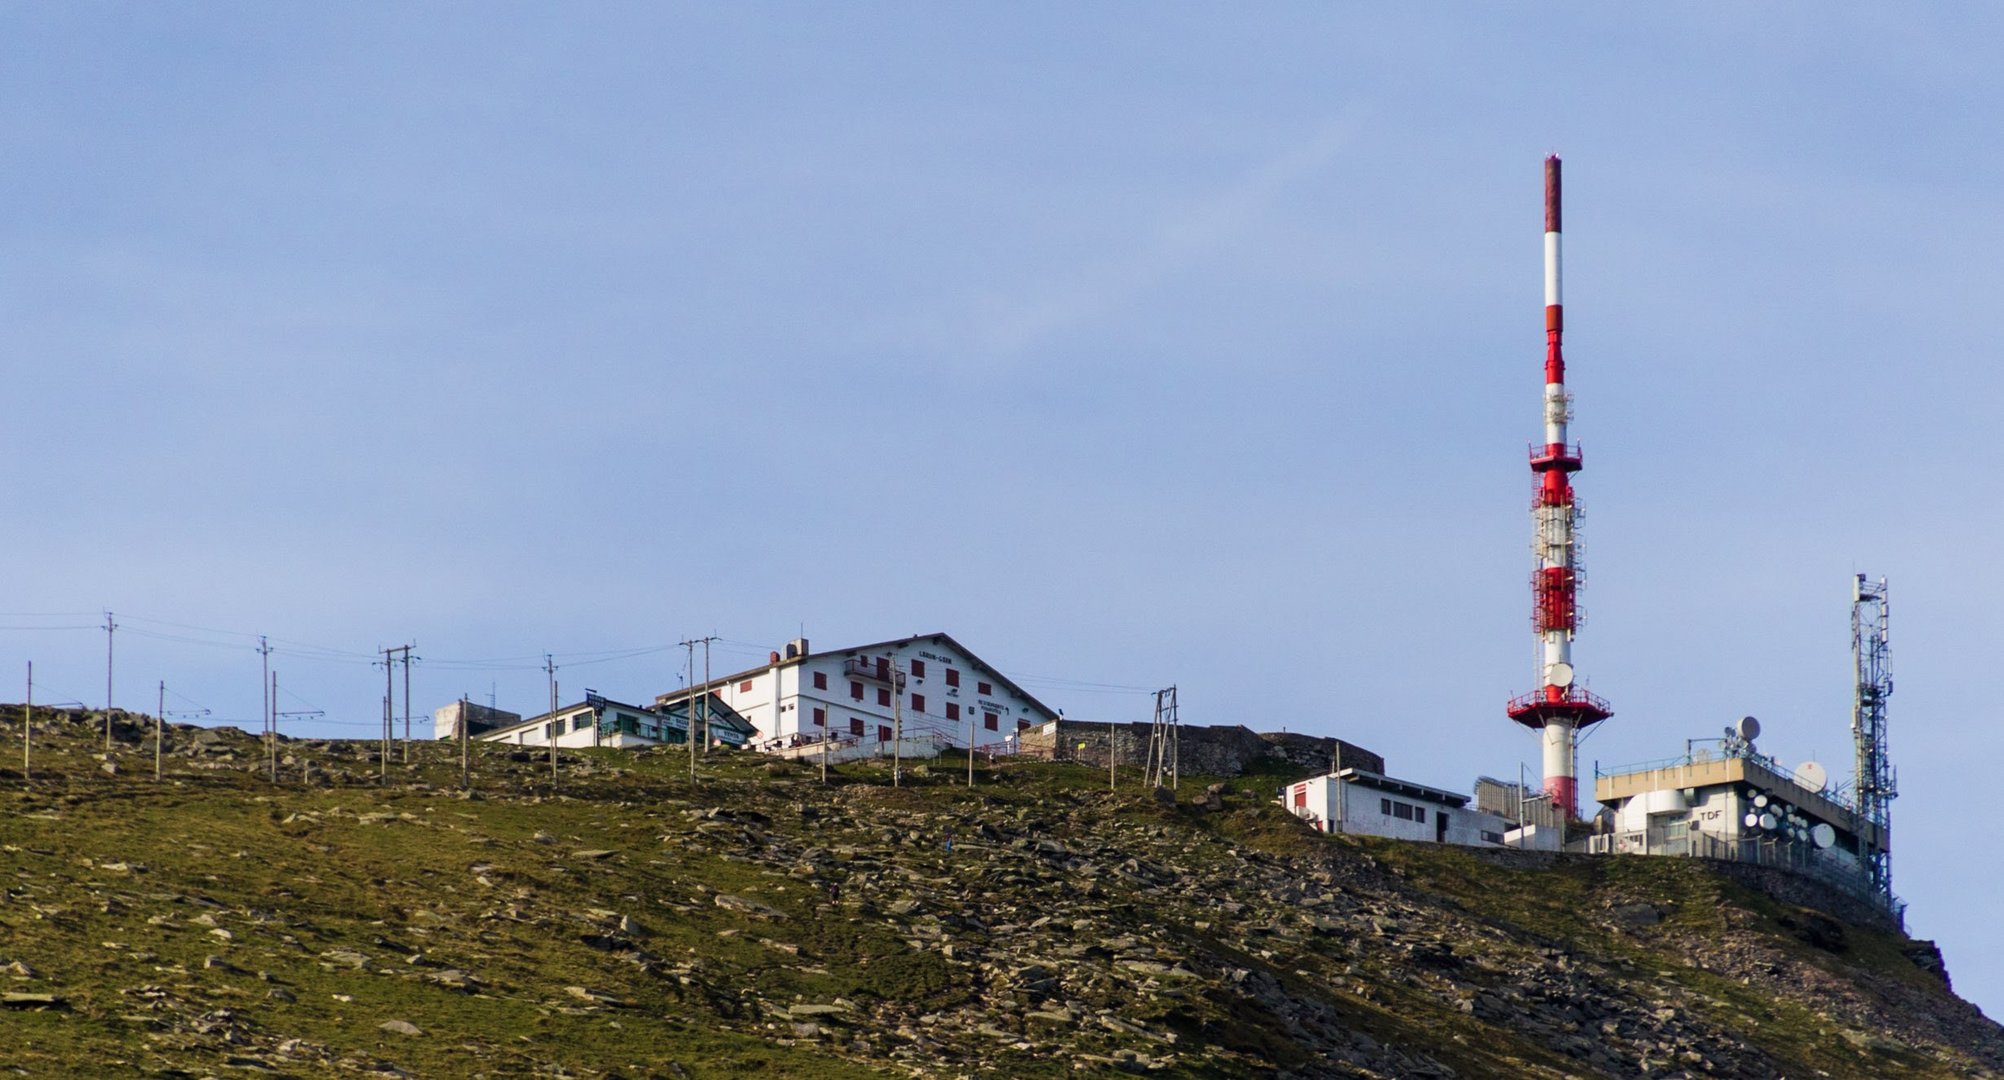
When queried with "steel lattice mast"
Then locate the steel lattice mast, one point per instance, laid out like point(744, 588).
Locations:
point(1875, 785)
point(1560, 707)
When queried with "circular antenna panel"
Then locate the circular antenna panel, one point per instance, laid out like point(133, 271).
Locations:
point(1748, 728)
point(1559, 674)
point(1769, 821)
point(1760, 801)
point(1812, 776)
point(1823, 835)
point(1753, 821)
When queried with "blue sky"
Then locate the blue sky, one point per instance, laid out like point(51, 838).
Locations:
point(1132, 344)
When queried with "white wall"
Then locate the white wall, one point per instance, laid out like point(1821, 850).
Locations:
point(1333, 806)
point(780, 701)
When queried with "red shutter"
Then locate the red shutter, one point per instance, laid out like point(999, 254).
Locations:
point(855, 690)
point(918, 669)
point(988, 720)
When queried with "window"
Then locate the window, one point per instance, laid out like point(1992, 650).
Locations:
point(855, 690)
point(580, 721)
point(1022, 725)
point(918, 703)
point(821, 718)
point(983, 688)
point(855, 725)
point(918, 669)
point(883, 733)
point(989, 720)
point(745, 687)
point(1385, 807)
point(953, 676)
point(952, 711)
point(821, 680)
point(1492, 837)
point(1419, 814)
point(884, 696)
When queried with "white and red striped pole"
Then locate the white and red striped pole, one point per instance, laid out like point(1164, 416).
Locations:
point(1559, 708)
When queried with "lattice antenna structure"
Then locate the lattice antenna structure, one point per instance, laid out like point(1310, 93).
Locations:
point(1876, 785)
point(1163, 766)
point(1560, 707)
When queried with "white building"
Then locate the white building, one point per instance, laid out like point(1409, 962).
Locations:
point(1741, 807)
point(930, 688)
point(597, 721)
point(1365, 803)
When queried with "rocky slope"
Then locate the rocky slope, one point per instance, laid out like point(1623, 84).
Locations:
point(630, 923)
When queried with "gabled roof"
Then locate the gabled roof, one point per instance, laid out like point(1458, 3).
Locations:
point(1366, 778)
point(942, 638)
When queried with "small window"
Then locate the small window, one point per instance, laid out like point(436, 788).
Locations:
point(581, 721)
point(883, 733)
point(821, 680)
point(1385, 807)
point(918, 703)
point(1419, 814)
point(953, 676)
point(952, 711)
point(884, 696)
point(1022, 725)
point(855, 725)
point(983, 688)
point(745, 687)
point(989, 720)
point(918, 669)
point(855, 690)
point(821, 718)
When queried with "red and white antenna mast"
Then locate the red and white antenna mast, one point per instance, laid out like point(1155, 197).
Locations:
point(1560, 707)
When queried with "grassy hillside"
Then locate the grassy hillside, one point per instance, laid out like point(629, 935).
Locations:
point(760, 923)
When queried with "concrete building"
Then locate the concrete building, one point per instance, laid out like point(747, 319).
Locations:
point(930, 687)
point(1364, 803)
point(597, 721)
point(1738, 806)
point(479, 720)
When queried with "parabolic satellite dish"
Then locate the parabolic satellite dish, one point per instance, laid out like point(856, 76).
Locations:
point(1823, 835)
point(1760, 801)
point(1812, 776)
point(1769, 821)
point(1560, 674)
point(1752, 821)
point(1748, 728)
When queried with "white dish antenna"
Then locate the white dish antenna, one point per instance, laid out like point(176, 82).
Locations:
point(1812, 777)
point(1760, 801)
point(1748, 728)
point(1768, 821)
point(1752, 821)
point(1823, 835)
point(1559, 674)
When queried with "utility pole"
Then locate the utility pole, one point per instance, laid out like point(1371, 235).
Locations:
point(110, 628)
point(1112, 756)
point(1162, 742)
point(389, 705)
point(704, 738)
point(159, 719)
point(27, 722)
point(550, 729)
point(465, 762)
point(264, 684)
point(405, 704)
point(970, 748)
point(271, 727)
point(897, 725)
